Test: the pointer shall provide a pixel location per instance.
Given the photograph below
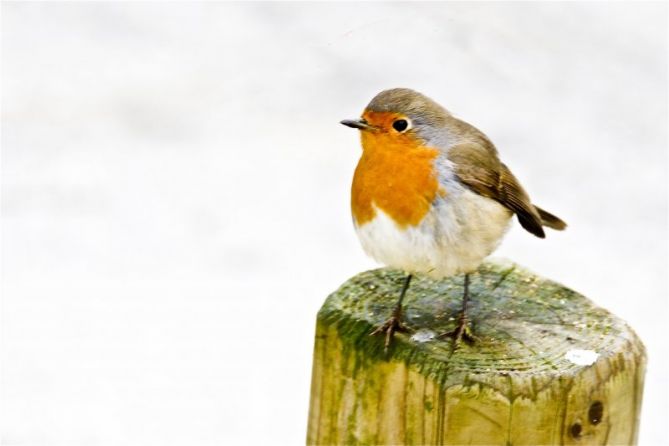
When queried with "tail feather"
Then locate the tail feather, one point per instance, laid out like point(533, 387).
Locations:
point(550, 220)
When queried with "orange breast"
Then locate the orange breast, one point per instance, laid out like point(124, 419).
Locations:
point(396, 174)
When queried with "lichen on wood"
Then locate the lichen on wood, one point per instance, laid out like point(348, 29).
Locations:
point(548, 367)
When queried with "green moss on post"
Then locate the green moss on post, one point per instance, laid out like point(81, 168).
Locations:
point(549, 367)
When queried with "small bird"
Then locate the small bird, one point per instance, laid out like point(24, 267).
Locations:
point(430, 195)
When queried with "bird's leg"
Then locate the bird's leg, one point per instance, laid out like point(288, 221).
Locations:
point(462, 331)
point(395, 322)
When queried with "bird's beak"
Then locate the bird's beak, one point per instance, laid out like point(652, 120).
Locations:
point(359, 124)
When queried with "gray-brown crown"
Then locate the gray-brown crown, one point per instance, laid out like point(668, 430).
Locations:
point(415, 105)
point(430, 121)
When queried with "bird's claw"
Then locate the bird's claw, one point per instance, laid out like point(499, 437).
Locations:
point(462, 332)
point(389, 327)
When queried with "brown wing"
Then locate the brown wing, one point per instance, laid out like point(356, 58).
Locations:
point(480, 169)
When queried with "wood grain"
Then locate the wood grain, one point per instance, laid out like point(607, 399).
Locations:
point(527, 380)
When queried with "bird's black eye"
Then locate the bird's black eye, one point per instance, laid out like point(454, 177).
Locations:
point(401, 125)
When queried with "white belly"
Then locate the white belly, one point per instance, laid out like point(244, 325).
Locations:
point(459, 232)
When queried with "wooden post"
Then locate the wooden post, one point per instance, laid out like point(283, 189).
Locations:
point(549, 366)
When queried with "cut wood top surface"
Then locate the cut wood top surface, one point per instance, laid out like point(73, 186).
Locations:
point(529, 328)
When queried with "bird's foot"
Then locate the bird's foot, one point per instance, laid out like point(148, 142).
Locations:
point(389, 327)
point(462, 332)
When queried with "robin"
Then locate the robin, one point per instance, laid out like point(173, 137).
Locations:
point(430, 195)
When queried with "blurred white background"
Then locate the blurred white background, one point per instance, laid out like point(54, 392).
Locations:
point(175, 192)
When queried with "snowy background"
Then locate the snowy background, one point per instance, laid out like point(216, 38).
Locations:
point(175, 190)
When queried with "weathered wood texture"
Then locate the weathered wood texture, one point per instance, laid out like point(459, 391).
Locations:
point(549, 366)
